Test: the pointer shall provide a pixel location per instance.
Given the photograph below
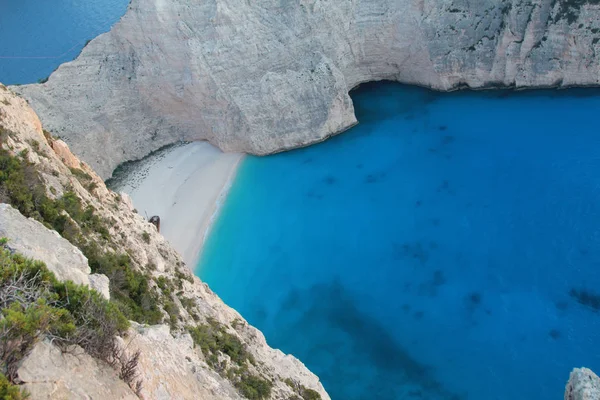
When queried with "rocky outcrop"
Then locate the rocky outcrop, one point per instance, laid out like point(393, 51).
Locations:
point(34, 240)
point(583, 384)
point(269, 76)
point(170, 365)
point(49, 373)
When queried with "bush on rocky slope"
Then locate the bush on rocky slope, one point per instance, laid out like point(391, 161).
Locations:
point(34, 305)
point(304, 392)
point(8, 391)
point(216, 344)
point(21, 187)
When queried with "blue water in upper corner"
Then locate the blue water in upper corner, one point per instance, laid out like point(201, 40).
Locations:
point(36, 36)
point(445, 248)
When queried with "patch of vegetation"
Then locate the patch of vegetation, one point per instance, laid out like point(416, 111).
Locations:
point(91, 186)
point(236, 323)
point(304, 392)
point(4, 133)
point(182, 276)
point(81, 175)
point(166, 285)
point(212, 338)
point(48, 136)
point(35, 144)
point(21, 187)
point(34, 305)
point(253, 387)
point(146, 237)
point(9, 391)
point(130, 289)
point(6, 102)
point(173, 310)
point(188, 304)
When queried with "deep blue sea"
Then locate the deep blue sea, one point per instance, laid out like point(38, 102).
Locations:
point(36, 36)
point(447, 247)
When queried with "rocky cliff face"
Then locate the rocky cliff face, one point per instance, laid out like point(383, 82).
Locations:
point(275, 75)
point(172, 364)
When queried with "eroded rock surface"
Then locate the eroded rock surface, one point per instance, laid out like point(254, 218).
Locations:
point(583, 384)
point(262, 77)
point(171, 368)
point(49, 373)
point(32, 239)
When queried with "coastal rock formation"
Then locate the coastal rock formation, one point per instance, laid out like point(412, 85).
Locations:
point(49, 373)
point(270, 76)
point(583, 384)
point(34, 240)
point(170, 367)
point(112, 235)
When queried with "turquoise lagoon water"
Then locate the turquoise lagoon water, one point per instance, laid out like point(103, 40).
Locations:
point(445, 248)
point(37, 36)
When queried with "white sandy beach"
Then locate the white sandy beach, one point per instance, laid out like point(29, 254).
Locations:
point(183, 185)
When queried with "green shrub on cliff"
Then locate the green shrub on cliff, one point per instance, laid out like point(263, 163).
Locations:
point(212, 338)
point(130, 289)
point(254, 388)
point(304, 392)
point(21, 187)
point(8, 391)
point(34, 305)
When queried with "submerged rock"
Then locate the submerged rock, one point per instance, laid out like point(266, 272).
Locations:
point(583, 384)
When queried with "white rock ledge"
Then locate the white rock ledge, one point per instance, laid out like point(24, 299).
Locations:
point(32, 239)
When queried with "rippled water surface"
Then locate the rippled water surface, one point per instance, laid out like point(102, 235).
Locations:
point(445, 248)
point(36, 36)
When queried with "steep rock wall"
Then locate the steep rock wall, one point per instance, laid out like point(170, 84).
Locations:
point(262, 77)
point(170, 367)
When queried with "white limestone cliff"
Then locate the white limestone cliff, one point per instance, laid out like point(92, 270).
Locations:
point(262, 77)
point(33, 240)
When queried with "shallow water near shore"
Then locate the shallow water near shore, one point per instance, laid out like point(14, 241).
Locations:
point(38, 36)
point(445, 248)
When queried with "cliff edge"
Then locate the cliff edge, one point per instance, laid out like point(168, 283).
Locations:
point(270, 76)
point(57, 210)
